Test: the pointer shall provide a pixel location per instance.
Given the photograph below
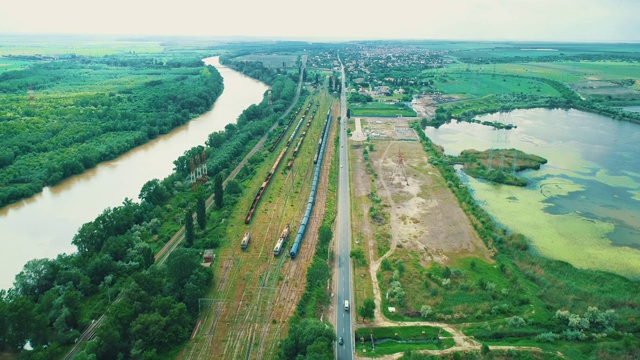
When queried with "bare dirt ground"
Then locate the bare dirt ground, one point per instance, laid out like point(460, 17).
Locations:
point(424, 214)
point(425, 217)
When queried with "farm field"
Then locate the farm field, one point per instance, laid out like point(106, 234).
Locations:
point(380, 109)
point(94, 45)
point(568, 72)
point(255, 292)
point(12, 64)
point(479, 84)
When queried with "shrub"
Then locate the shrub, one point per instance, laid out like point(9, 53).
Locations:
point(516, 321)
point(425, 311)
point(547, 337)
point(574, 335)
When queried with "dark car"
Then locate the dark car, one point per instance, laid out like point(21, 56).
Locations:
point(340, 341)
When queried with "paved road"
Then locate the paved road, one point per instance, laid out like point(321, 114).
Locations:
point(344, 325)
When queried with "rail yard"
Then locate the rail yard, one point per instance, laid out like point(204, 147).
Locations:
point(256, 292)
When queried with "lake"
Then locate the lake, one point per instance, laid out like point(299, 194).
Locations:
point(583, 206)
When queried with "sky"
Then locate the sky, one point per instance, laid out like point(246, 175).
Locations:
point(528, 20)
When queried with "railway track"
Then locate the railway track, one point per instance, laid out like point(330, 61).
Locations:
point(251, 328)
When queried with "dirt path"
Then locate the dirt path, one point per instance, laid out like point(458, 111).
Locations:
point(358, 135)
point(375, 265)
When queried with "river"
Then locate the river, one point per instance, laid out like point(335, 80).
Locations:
point(583, 206)
point(43, 225)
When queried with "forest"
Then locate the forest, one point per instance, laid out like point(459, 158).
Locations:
point(150, 306)
point(62, 117)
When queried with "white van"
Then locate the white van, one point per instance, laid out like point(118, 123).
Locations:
point(346, 305)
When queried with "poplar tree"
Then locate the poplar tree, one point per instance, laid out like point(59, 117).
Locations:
point(188, 229)
point(218, 191)
point(201, 212)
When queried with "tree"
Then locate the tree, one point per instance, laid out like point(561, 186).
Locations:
point(218, 192)
point(308, 337)
point(37, 276)
point(188, 229)
point(348, 113)
point(367, 310)
point(446, 273)
point(180, 266)
point(201, 212)
point(233, 188)
point(153, 192)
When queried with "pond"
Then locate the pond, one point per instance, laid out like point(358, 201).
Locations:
point(583, 206)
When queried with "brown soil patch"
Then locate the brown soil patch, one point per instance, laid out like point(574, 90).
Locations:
point(424, 214)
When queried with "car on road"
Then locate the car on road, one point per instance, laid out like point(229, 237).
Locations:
point(340, 340)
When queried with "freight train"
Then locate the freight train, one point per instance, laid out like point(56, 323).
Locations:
point(245, 240)
point(256, 200)
point(314, 187)
point(280, 244)
point(284, 131)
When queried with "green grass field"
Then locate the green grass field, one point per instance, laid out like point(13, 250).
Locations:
point(73, 44)
point(568, 72)
point(11, 64)
point(382, 110)
point(479, 84)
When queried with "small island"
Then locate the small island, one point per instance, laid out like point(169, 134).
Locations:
point(497, 165)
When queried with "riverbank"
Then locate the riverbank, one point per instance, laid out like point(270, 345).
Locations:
point(60, 210)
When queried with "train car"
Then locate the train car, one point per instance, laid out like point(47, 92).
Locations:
point(305, 219)
point(245, 240)
point(281, 240)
